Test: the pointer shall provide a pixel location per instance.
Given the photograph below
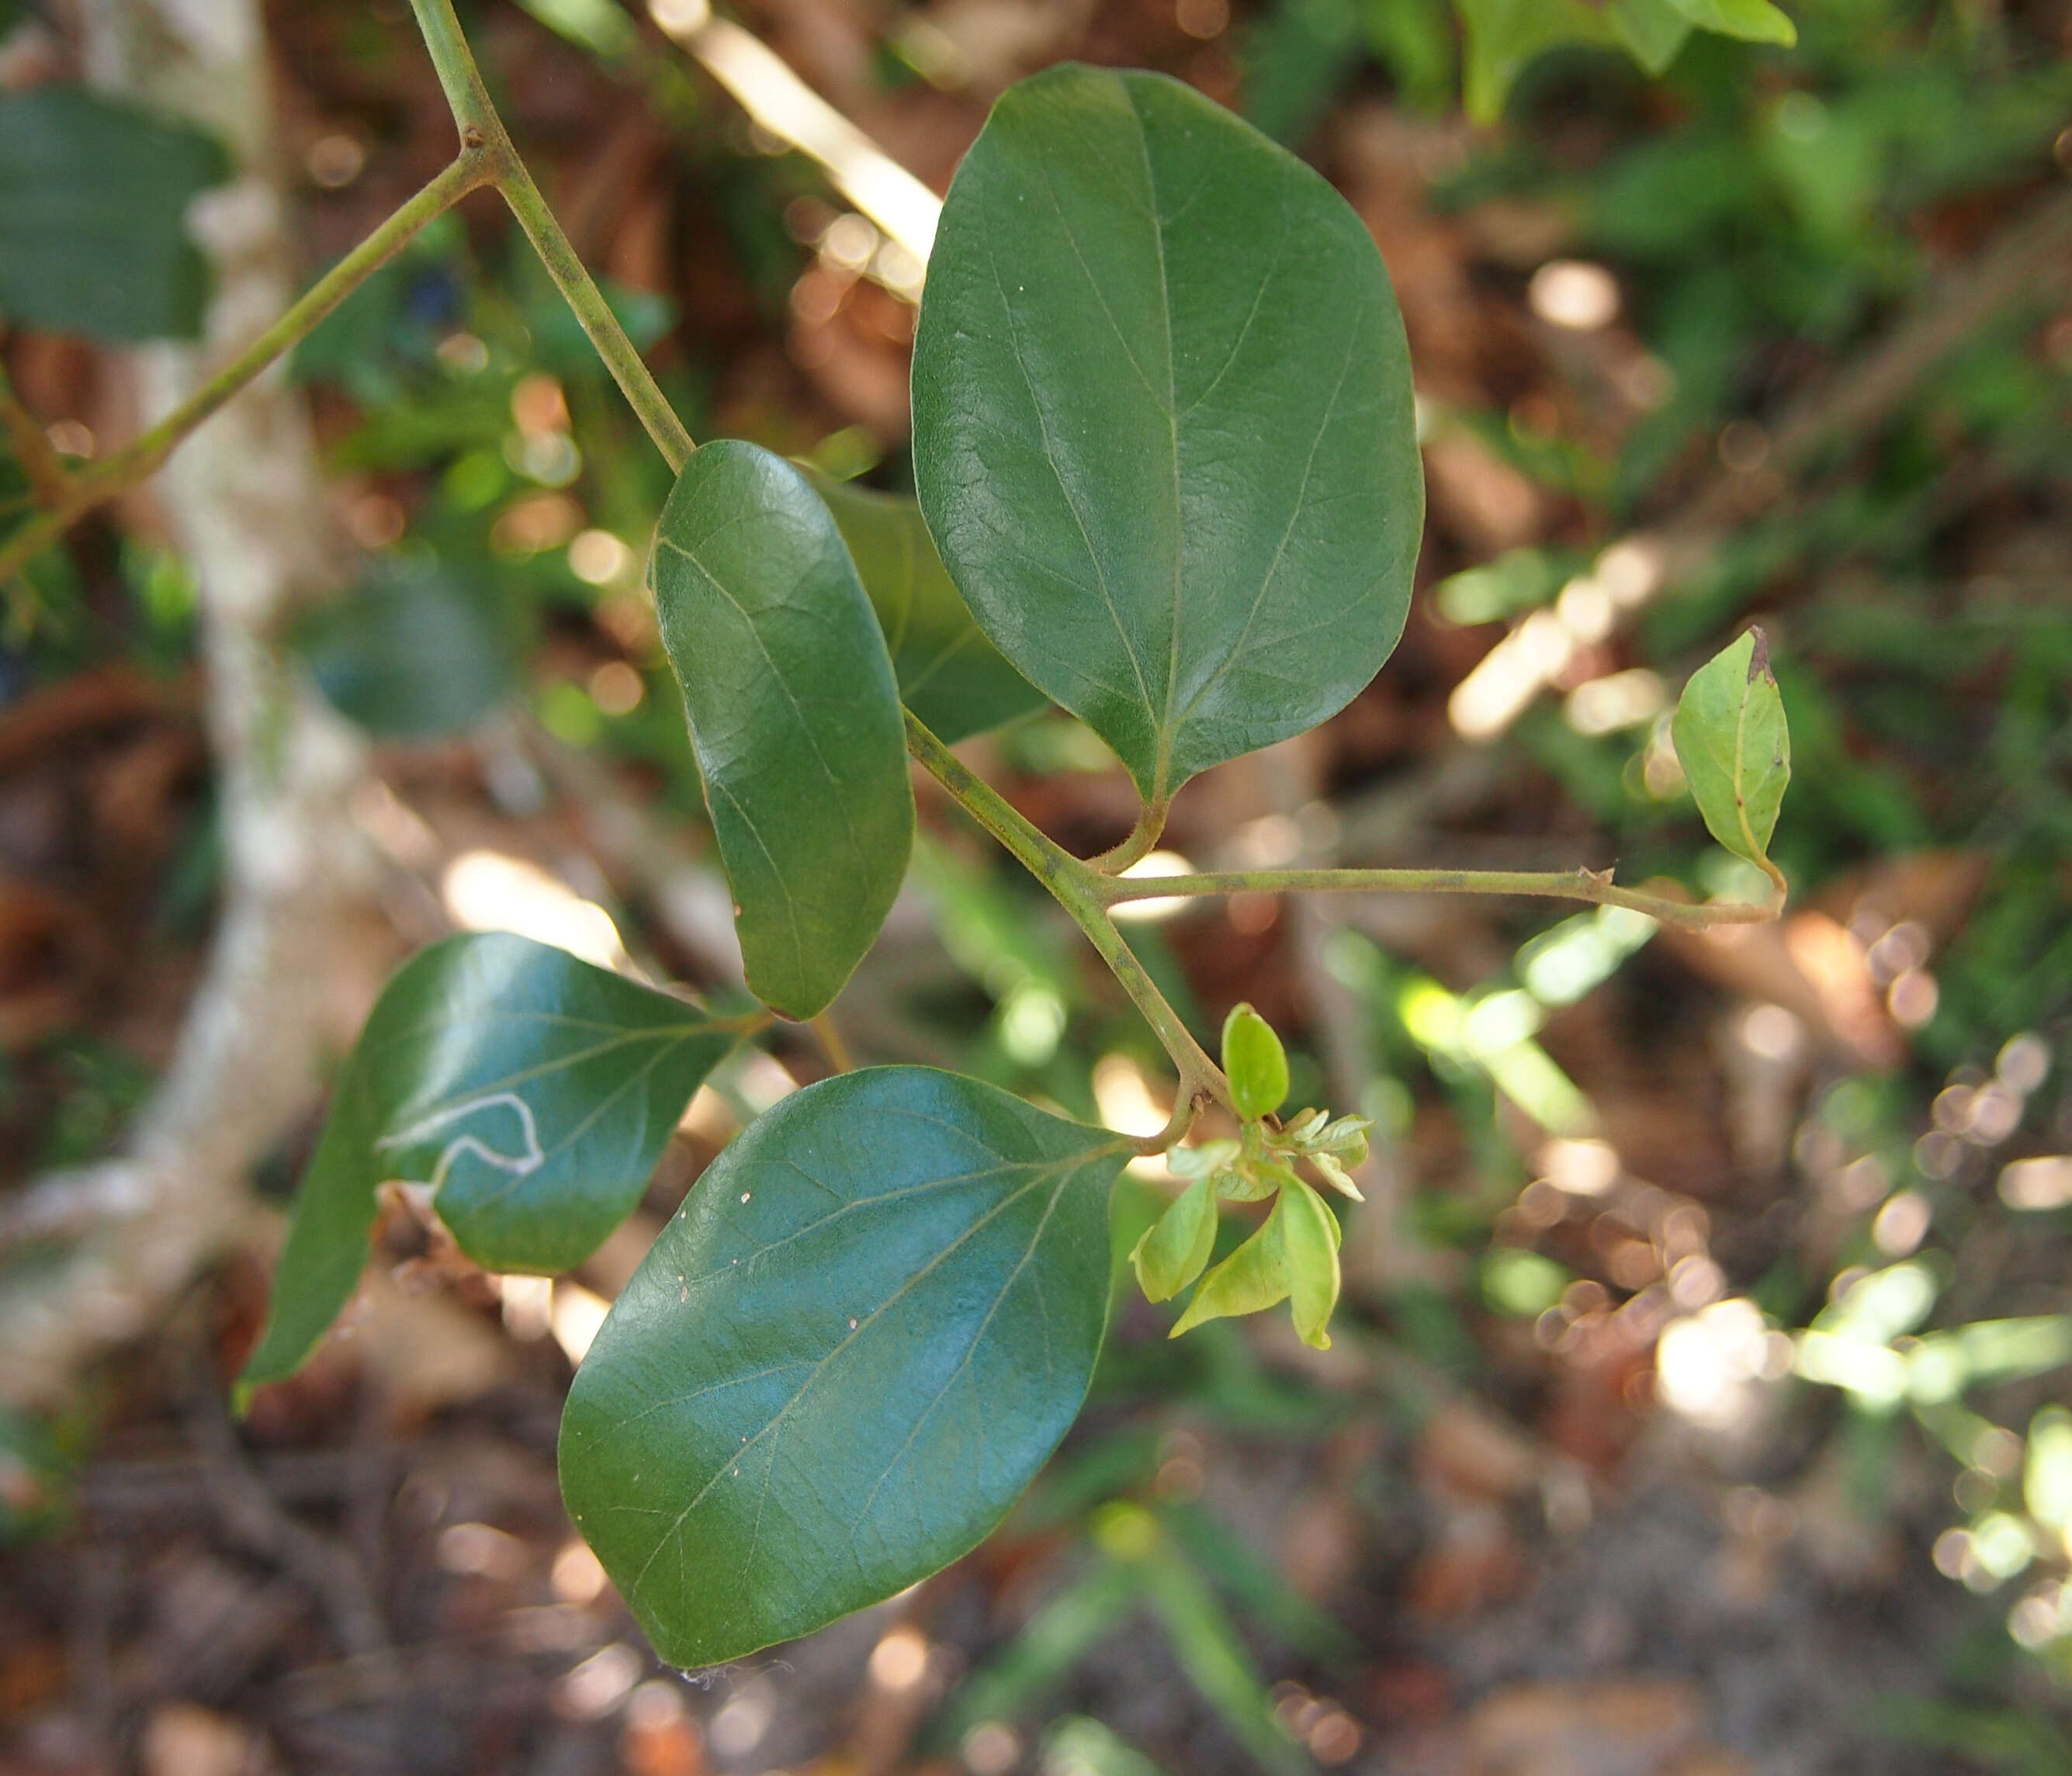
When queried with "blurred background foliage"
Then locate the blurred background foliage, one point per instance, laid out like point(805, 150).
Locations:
point(1700, 1399)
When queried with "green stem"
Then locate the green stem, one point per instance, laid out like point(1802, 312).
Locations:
point(47, 479)
point(1151, 824)
point(1593, 885)
point(481, 127)
point(830, 1035)
point(1079, 889)
point(121, 469)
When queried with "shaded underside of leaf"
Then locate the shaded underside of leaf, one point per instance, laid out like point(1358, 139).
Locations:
point(533, 1091)
point(949, 674)
point(93, 199)
point(853, 1347)
point(794, 714)
point(1162, 416)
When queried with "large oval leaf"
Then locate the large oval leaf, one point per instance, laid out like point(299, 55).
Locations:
point(853, 1347)
point(794, 714)
point(1162, 427)
point(533, 1092)
point(94, 201)
point(949, 674)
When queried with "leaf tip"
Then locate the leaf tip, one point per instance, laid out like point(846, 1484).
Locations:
point(1758, 665)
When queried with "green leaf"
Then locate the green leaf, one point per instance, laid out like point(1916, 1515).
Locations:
point(532, 1091)
point(1255, 1063)
point(855, 1343)
point(1731, 740)
point(1175, 1248)
point(1756, 21)
point(949, 674)
point(794, 714)
point(413, 652)
point(93, 200)
point(1162, 427)
point(1653, 31)
point(1504, 36)
point(1080, 1745)
point(1309, 1238)
point(1252, 1278)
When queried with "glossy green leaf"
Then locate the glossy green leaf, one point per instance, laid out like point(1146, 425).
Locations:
point(1175, 1248)
point(93, 200)
point(949, 674)
point(1162, 427)
point(533, 1092)
point(1309, 1240)
point(1757, 20)
point(1252, 1278)
point(854, 1346)
point(1731, 740)
point(794, 714)
point(1255, 1063)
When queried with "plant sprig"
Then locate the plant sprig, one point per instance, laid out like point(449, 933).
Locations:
point(908, 1236)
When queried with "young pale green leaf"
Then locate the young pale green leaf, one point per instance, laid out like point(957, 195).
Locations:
point(94, 201)
point(533, 1092)
point(1653, 31)
point(854, 1346)
point(1175, 1248)
point(794, 714)
point(1309, 1238)
point(1731, 740)
point(1162, 427)
point(1757, 20)
point(1255, 1063)
point(1502, 37)
point(949, 674)
point(1252, 1278)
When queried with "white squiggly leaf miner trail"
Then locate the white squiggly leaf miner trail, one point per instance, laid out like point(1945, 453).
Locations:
point(519, 1166)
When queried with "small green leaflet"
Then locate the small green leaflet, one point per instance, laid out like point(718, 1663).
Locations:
point(1162, 420)
point(1175, 1248)
point(1253, 1277)
point(794, 714)
point(1731, 740)
point(94, 201)
point(534, 1092)
point(855, 1343)
point(1653, 31)
point(949, 674)
point(1255, 1063)
point(1756, 21)
point(1504, 37)
point(1309, 1243)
